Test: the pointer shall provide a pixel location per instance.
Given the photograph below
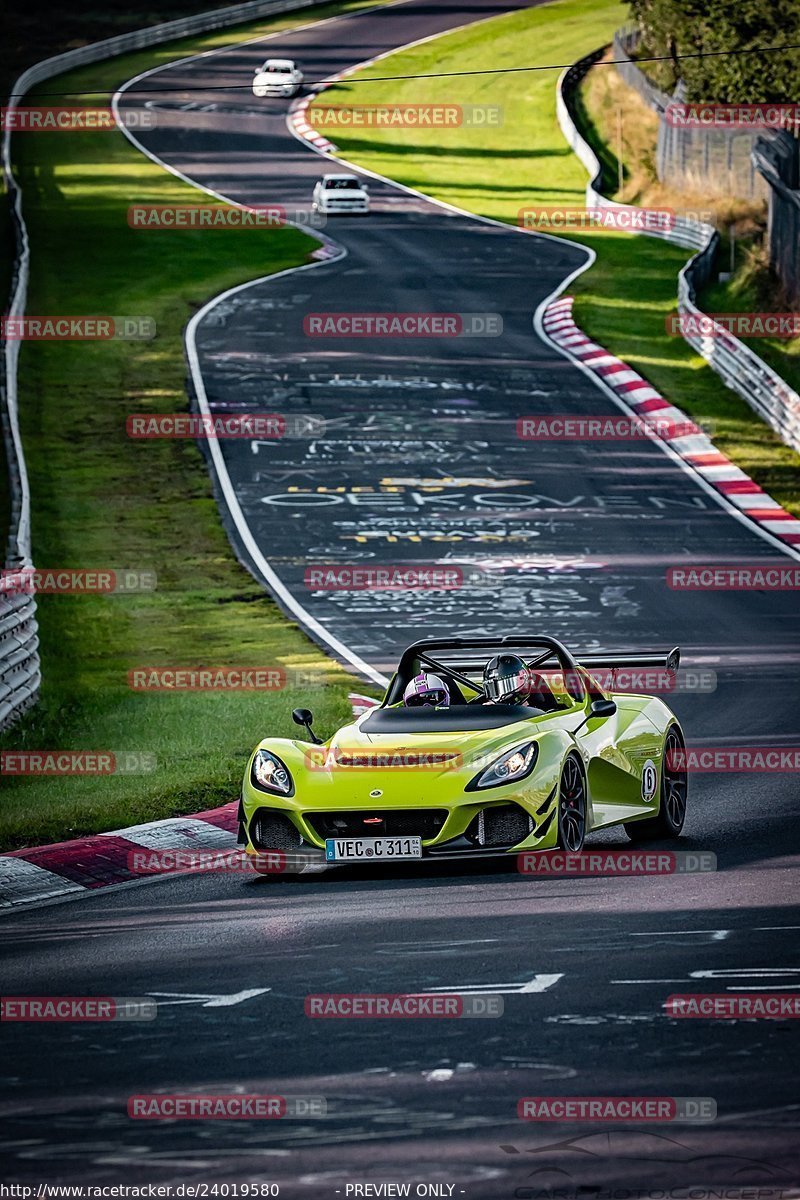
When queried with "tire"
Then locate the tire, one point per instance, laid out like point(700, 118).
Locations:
point(572, 796)
point(668, 821)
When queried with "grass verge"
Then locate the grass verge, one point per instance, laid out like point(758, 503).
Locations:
point(102, 500)
point(48, 28)
point(624, 300)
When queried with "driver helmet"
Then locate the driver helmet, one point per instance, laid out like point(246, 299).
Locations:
point(505, 678)
point(426, 689)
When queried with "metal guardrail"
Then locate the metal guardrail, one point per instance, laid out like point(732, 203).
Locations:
point(740, 367)
point(684, 231)
point(20, 674)
point(737, 365)
point(20, 668)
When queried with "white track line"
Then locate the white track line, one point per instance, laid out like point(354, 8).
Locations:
point(275, 584)
point(268, 574)
point(278, 588)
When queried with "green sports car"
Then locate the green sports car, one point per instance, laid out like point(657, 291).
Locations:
point(487, 768)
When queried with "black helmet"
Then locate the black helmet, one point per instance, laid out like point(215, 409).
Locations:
point(505, 677)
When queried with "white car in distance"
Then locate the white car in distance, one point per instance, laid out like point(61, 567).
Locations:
point(340, 194)
point(277, 77)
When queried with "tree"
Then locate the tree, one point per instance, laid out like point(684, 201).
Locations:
point(672, 28)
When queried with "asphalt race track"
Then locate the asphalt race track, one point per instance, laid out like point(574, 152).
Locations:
point(578, 535)
point(416, 1100)
point(576, 539)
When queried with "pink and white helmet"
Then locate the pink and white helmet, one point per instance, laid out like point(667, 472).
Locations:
point(426, 689)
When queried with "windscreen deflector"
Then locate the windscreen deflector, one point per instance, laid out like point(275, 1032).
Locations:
point(457, 718)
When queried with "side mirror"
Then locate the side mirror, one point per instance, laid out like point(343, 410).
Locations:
point(599, 707)
point(304, 717)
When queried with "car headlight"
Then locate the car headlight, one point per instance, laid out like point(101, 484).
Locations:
point(508, 768)
point(271, 775)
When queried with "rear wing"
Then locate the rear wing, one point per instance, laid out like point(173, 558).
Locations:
point(610, 659)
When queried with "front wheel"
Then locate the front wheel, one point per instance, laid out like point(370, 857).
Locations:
point(571, 806)
point(668, 821)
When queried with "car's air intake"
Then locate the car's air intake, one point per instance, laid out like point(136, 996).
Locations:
point(403, 822)
point(502, 825)
point(274, 831)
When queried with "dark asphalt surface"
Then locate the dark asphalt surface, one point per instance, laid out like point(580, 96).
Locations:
point(420, 399)
point(421, 462)
point(416, 1101)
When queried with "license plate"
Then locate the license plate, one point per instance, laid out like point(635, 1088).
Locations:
point(382, 849)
